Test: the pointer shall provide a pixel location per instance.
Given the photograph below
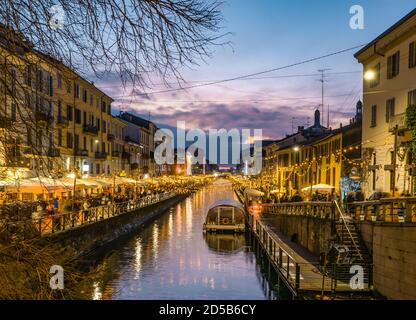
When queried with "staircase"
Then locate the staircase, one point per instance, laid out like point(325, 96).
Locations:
point(349, 250)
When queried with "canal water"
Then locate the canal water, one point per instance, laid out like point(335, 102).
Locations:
point(171, 258)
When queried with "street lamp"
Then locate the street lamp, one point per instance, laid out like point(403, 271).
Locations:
point(369, 75)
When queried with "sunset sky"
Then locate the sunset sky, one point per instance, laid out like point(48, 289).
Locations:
point(269, 34)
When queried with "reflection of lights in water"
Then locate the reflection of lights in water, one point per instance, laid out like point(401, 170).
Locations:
point(138, 258)
point(97, 295)
point(179, 219)
point(170, 224)
point(155, 241)
point(188, 213)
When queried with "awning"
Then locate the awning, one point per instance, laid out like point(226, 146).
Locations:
point(252, 192)
point(317, 187)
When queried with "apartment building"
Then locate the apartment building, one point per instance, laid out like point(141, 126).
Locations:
point(54, 122)
point(139, 134)
point(316, 155)
point(389, 64)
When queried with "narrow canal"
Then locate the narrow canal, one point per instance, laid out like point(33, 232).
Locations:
point(171, 258)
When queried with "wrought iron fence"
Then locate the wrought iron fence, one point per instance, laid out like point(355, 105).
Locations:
point(50, 224)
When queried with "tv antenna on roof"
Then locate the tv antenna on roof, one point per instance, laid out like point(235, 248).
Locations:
point(322, 80)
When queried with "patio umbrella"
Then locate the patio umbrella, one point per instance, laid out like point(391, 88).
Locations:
point(319, 187)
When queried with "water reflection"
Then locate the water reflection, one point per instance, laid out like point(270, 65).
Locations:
point(225, 243)
point(171, 258)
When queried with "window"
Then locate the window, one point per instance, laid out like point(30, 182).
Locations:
point(59, 81)
point(411, 100)
point(77, 116)
point(373, 116)
point(69, 140)
point(104, 126)
point(50, 86)
point(76, 142)
point(59, 108)
point(69, 112)
point(103, 107)
point(412, 54)
point(84, 122)
point(98, 124)
point(393, 65)
point(14, 112)
point(374, 172)
point(68, 86)
point(109, 109)
point(60, 137)
point(390, 109)
point(76, 90)
point(84, 96)
point(376, 81)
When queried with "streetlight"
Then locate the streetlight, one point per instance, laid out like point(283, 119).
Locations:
point(369, 75)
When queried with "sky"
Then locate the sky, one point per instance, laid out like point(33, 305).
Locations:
point(269, 34)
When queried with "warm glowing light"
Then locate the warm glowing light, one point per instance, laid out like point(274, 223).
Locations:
point(369, 75)
point(146, 176)
point(296, 148)
point(97, 141)
point(71, 175)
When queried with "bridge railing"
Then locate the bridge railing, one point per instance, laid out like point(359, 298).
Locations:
point(394, 210)
point(50, 224)
point(323, 210)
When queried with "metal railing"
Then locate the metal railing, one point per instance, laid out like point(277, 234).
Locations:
point(345, 225)
point(51, 224)
point(392, 210)
point(323, 210)
point(313, 275)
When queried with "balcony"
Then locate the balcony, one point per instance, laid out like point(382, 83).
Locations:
point(18, 162)
point(91, 130)
point(63, 121)
point(54, 152)
point(32, 151)
point(126, 155)
point(5, 122)
point(101, 155)
point(110, 136)
point(81, 153)
point(116, 153)
point(398, 120)
point(43, 116)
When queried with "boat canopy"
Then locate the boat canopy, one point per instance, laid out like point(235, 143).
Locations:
point(225, 212)
point(228, 203)
point(253, 193)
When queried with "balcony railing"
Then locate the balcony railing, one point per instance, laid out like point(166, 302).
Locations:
point(5, 122)
point(110, 136)
point(17, 162)
point(82, 153)
point(54, 152)
point(43, 116)
point(398, 120)
point(90, 130)
point(116, 153)
point(63, 121)
point(100, 155)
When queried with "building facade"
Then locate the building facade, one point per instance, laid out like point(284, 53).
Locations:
point(54, 121)
point(389, 64)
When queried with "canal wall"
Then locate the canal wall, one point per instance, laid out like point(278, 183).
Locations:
point(393, 247)
point(310, 232)
point(89, 239)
